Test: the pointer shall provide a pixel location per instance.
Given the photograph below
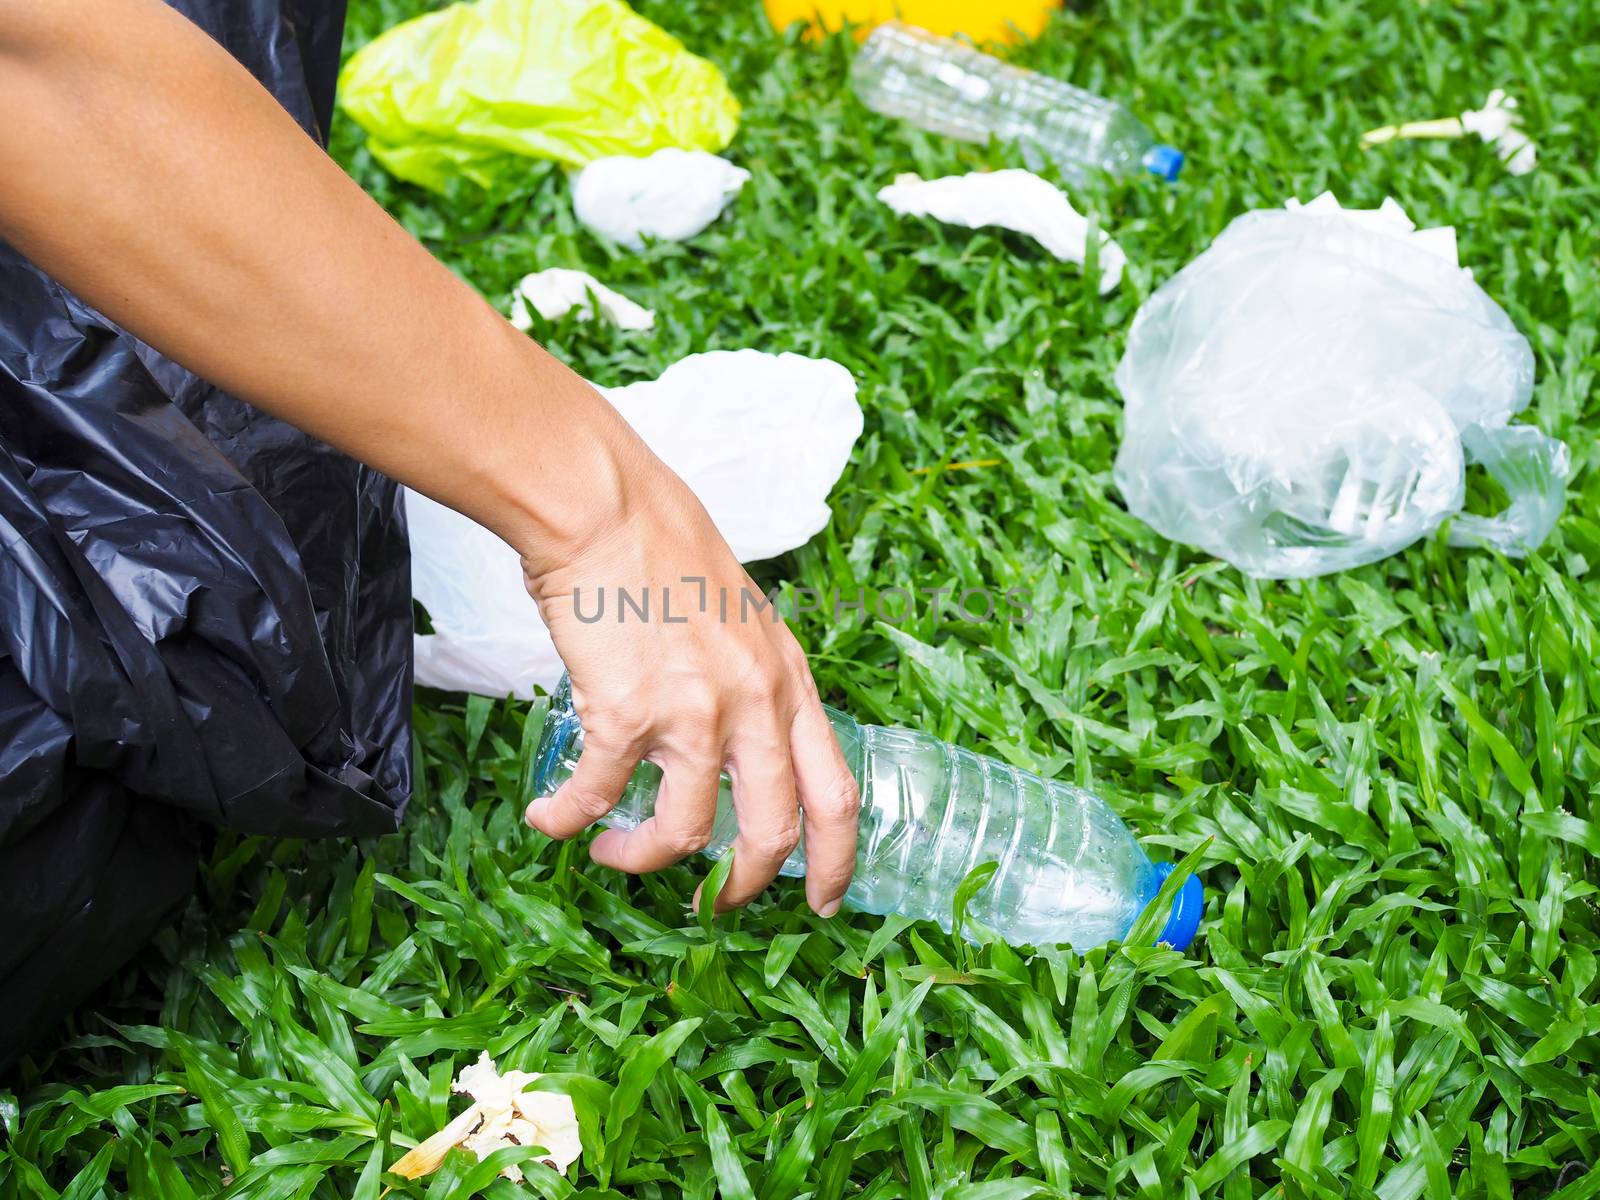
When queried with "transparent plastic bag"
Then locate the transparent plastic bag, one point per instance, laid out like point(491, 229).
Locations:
point(1305, 396)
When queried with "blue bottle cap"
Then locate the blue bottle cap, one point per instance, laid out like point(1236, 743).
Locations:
point(1165, 161)
point(1187, 908)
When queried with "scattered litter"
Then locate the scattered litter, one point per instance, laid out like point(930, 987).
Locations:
point(759, 438)
point(670, 195)
point(949, 87)
point(1013, 199)
point(502, 1114)
point(1390, 219)
point(1305, 395)
point(557, 291)
point(1498, 123)
point(476, 89)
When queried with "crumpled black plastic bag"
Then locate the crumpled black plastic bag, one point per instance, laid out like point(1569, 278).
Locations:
point(206, 613)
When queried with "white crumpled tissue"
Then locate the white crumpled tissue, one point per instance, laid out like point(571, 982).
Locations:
point(760, 439)
point(557, 291)
point(670, 195)
point(502, 1114)
point(1012, 199)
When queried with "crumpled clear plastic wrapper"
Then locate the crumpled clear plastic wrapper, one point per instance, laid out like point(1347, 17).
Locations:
point(1305, 396)
point(759, 438)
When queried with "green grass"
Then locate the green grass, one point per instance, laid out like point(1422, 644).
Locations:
point(1394, 993)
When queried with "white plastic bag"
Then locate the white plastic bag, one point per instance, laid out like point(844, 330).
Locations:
point(1012, 199)
point(759, 438)
point(1305, 395)
point(670, 195)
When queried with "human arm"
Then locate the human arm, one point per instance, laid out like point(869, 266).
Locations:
point(151, 174)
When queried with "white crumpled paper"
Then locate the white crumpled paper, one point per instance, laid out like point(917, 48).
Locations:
point(1012, 199)
point(554, 292)
point(1497, 123)
point(759, 438)
point(1305, 395)
point(502, 1114)
point(670, 195)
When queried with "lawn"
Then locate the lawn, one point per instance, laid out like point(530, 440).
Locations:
point(1391, 771)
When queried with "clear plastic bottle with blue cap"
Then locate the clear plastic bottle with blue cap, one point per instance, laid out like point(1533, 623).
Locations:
point(1067, 868)
point(946, 86)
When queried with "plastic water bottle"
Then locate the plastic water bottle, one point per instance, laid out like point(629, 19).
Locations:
point(1068, 869)
point(945, 86)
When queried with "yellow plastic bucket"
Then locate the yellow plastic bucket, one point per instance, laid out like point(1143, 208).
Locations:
point(996, 20)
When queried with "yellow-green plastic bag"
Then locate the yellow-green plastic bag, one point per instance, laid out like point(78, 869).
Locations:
point(475, 87)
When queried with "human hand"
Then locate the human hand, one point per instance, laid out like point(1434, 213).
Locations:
point(705, 678)
point(435, 389)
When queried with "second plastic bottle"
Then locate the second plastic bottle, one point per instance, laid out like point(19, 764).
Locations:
point(1068, 869)
point(945, 86)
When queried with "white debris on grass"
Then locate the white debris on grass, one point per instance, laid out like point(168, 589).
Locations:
point(1498, 123)
point(554, 292)
point(1011, 199)
point(760, 438)
point(502, 1114)
point(670, 195)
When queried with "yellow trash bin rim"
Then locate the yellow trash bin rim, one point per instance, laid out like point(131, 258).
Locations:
point(996, 20)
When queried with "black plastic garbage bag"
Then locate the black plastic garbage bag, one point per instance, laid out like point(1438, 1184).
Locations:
point(206, 613)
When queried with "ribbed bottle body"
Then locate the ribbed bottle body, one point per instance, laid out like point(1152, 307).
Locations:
point(1067, 868)
point(947, 87)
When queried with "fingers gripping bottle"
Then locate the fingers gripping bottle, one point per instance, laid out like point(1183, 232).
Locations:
point(1068, 869)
